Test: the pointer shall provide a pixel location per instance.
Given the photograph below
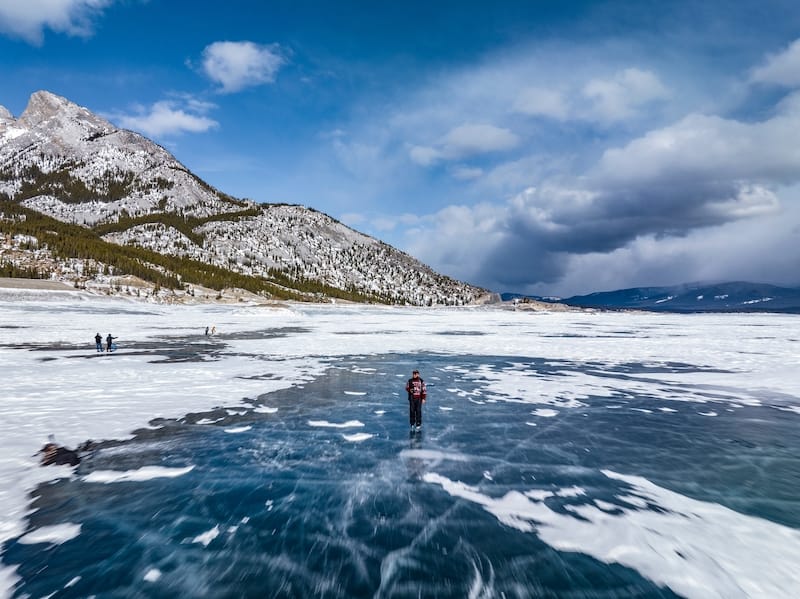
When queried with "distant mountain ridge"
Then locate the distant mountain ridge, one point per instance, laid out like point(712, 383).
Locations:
point(696, 297)
point(81, 198)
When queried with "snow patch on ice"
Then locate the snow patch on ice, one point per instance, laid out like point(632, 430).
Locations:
point(545, 413)
point(55, 535)
point(141, 474)
point(698, 549)
point(325, 423)
point(358, 437)
point(238, 429)
point(435, 455)
point(152, 575)
point(208, 536)
point(571, 492)
point(758, 301)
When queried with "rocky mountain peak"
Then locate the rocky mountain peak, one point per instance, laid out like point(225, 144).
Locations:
point(48, 110)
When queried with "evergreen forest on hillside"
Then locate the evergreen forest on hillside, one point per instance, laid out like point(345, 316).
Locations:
point(66, 241)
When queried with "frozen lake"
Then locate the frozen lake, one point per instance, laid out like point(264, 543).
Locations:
point(562, 454)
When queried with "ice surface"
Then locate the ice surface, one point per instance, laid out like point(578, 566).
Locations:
point(646, 365)
point(698, 549)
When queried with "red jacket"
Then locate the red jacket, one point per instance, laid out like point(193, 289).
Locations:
point(416, 389)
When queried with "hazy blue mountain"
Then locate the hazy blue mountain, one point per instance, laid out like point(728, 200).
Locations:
point(736, 296)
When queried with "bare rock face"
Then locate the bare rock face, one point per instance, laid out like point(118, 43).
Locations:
point(5, 116)
point(61, 159)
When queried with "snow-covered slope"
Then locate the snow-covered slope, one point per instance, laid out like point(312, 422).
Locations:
point(62, 160)
point(93, 170)
point(305, 244)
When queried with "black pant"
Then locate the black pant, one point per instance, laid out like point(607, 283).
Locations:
point(415, 412)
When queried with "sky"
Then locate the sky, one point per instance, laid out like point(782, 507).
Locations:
point(549, 148)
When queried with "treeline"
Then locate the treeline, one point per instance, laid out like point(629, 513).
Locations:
point(9, 269)
point(60, 183)
point(66, 240)
point(317, 288)
point(180, 222)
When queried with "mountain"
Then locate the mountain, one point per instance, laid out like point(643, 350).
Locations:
point(696, 297)
point(84, 201)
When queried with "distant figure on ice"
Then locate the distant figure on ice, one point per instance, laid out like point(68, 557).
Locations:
point(52, 453)
point(214, 330)
point(417, 393)
point(98, 341)
point(55, 454)
point(206, 331)
point(110, 343)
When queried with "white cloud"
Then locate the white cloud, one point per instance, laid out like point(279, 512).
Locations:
point(27, 19)
point(761, 250)
point(620, 98)
point(425, 155)
point(470, 139)
point(390, 223)
point(357, 158)
point(536, 101)
point(607, 101)
point(168, 118)
point(782, 68)
point(237, 65)
point(712, 148)
point(590, 191)
point(673, 205)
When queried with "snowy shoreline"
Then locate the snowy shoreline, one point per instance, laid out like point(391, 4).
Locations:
point(57, 384)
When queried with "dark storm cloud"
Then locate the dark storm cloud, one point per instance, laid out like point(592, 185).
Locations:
point(641, 171)
point(540, 231)
point(697, 174)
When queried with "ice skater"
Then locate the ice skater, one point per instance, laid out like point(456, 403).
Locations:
point(98, 342)
point(417, 394)
point(110, 343)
